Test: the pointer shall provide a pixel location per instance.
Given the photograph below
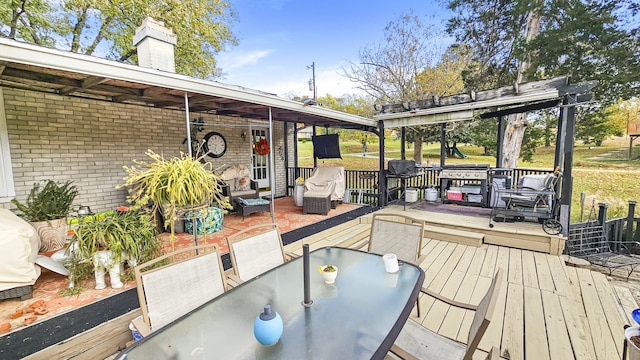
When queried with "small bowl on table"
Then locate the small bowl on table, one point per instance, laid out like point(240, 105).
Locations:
point(329, 273)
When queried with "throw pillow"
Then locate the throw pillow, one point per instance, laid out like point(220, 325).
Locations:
point(243, 184)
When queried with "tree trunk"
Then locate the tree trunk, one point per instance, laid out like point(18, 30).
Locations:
point(517, 123)
point(417, 149)
point(513, 135)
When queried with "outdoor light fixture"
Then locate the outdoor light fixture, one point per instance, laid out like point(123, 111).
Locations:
point(243, 135)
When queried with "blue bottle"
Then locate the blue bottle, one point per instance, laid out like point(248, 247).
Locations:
point(268, 327)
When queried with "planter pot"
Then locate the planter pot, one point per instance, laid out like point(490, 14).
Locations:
point(53, 234)
point(632, 348)
point(298, 195)
point(207, 221)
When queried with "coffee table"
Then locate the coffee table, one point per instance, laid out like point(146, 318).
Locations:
point(250, 206)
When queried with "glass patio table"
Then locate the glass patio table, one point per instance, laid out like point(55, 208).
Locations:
point(358, 317)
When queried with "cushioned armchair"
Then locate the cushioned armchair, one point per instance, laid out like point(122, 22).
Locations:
point(237, 183)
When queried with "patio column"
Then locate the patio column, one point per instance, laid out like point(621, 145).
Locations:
point(443, 141)
point(499, 141)
point(286, 158)
point(403, 133)
point(569, 124)
point(382, 179)
point(271, 167)
point(315, 160)
point(186, 114)
point(295, 150)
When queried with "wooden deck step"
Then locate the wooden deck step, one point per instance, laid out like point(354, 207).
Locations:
point(453, 235)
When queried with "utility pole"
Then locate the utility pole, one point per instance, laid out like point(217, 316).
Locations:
point(312, 82)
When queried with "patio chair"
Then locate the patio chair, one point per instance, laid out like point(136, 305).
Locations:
point(417, 342)
point(254, 254)
point(323, 189)
point(192, 277)
point(397, 234)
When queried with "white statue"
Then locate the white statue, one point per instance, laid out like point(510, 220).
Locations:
point(103, 262)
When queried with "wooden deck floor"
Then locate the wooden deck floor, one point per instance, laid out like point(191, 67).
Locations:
point(547, 310)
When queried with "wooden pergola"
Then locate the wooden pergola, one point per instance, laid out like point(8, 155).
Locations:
point(497, 103)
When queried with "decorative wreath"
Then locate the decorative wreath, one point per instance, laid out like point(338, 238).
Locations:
point(261, 147)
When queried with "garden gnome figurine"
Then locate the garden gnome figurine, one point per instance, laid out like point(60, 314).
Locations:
point(103, 262)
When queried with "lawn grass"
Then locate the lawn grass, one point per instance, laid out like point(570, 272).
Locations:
point(612, 179)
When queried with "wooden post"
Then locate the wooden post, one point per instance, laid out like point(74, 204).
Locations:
point(295, 150)
point(315, 160)
point(403, 133)
point(630, 219)
point(443, 140)
point(602, 219)
point(286, 158)
point(566, 188)
point(499, 141)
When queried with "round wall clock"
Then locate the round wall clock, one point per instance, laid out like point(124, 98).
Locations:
point(214, 144)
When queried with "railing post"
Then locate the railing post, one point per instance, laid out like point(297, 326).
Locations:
point(630, 219)
point(602, 221)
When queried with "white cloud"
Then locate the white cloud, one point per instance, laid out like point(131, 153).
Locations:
point(237, 60)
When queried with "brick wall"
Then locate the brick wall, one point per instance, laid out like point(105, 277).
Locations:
point(89, 141)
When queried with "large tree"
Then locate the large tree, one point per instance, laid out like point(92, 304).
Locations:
point(106, 28)
point(516, 41)
point(408, 65)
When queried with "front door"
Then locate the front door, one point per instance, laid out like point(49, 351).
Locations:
point(260, 163)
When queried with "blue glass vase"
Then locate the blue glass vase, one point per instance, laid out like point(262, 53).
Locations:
point(268, 327)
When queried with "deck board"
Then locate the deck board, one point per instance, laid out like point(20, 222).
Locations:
point(546, 310)
point(560, 347)
point(602, 339)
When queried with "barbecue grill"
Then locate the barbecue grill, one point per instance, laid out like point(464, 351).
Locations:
point(472, 179)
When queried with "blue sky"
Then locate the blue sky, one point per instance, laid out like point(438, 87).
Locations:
point(279, 38)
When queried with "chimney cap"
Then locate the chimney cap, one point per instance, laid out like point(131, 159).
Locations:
point(154, 29)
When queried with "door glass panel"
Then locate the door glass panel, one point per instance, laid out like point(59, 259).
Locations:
point(260, 163)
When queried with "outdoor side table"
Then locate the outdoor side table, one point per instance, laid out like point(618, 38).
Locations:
point(359, 317)
point(250, 206)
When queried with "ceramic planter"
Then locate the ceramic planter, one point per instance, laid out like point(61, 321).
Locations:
point(53, 234)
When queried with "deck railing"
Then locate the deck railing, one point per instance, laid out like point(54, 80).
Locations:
point(620, 233)
point(364, 183)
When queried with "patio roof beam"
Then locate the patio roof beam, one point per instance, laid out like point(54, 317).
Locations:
point(434, 118)
point(521, 109)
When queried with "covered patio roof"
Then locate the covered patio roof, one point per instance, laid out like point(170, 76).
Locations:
point(31, 67)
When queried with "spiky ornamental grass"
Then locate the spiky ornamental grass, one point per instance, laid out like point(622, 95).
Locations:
point(173, 184)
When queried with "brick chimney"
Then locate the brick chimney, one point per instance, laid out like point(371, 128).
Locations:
point(155, 44)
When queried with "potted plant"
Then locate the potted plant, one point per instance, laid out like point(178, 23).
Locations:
point(108, 240)
point(174, 186)
point(47, 208)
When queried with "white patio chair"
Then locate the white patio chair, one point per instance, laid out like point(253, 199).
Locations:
point(186, 282)
point(417, 342)
point(252, 255)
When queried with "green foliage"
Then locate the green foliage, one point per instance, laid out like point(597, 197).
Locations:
point(587, 39)
point(50, 202)
point(594, 127)
point(350, 104)
point(132, 232)
point(484, 133)
point(173, 184)
point(201, 26)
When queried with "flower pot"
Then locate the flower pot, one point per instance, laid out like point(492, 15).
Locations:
point(298, 195)
point(207, 221)
point(53, 234)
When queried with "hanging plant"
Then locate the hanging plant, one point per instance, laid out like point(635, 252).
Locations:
point(261, 147)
